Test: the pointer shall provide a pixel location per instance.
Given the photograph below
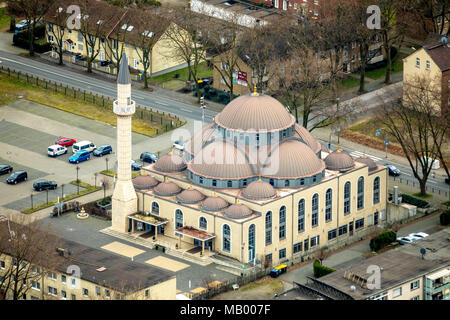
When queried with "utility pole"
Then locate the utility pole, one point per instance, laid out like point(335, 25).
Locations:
point(203, 106)
point(339, 118)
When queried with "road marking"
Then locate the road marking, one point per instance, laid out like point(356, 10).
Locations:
point(431, 181)
point(407, 174)
point(360, 154)
point(186, 110)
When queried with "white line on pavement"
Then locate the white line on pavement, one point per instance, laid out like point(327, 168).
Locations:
point(186, 110)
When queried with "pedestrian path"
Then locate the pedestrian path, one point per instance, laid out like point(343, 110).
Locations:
point(358, 154)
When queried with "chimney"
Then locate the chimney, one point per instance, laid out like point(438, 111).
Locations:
point(395, 194)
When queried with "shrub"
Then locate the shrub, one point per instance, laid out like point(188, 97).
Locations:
point(321, 270)
point(414, 201)
point(21, 40)
point(382, 240)
point(444, 218)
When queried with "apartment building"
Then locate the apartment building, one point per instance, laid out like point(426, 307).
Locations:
point(78, 272)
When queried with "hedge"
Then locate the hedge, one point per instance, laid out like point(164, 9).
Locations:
point(414, 201)
point(321, 270)
point(22, 40)
point(382, 240)
point(444, 218)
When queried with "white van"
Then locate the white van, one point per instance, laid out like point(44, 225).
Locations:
point(83, 145)
point(56, 150)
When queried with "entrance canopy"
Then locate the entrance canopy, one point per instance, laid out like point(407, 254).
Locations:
point(195, 233)
point(148, 218)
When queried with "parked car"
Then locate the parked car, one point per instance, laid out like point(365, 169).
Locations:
point(17, 177)
point(179, 145)
point(405, 240)
point(136, 166)
point(83, 145)
point(5, 168)
point(44, 185)
point(148, 157)
point(418, 235)
point(393, 171)
point(22, 24)
point(102, 150)
point(56, 150)
point(80, 156)
point(65, 142)
point(447, 180)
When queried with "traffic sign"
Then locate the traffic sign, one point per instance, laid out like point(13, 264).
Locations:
point(386, 142)
point(378, 133)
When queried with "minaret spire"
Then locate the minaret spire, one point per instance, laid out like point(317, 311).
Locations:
point(124, 73)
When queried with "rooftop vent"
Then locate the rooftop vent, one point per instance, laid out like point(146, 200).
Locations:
point(352, 288)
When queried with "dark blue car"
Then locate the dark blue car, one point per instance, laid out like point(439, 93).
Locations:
point(80, 156)
point(102, 150)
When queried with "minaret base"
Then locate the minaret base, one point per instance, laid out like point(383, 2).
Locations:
point(124, 203)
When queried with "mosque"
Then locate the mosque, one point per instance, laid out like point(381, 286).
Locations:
point(253, 185)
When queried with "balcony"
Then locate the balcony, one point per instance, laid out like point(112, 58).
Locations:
point(124, 111)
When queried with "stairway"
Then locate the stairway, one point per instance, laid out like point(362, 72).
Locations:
point(128, 237)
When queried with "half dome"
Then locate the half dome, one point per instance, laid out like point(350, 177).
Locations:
point(170, 163)
point(238, 211)
point(292, 159)
point(221, 160)
point(259, 190)
point(190, 196)
point(167, 189)
point(144, 182)
point(306, 136)
point(370, 163)
point(339, 160)
point(257, 112)
point(214, 204)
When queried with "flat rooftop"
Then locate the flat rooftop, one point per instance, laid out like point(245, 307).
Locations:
point(398, 265)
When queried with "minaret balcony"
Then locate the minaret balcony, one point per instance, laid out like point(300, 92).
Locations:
point(124, 110)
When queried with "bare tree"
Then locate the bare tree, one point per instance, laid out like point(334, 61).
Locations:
point(56, 17)
point(29, 254)
point(33, 11)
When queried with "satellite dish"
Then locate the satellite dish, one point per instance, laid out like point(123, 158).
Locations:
point(423, 252)
point(444, 40)
point(352, 288)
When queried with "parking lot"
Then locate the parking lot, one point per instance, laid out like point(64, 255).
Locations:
point(27, 129)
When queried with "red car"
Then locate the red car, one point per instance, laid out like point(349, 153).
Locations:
point(65, 142)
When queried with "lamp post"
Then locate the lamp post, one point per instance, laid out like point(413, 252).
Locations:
point(106, 159)
point(339, 119)
point(78, 181)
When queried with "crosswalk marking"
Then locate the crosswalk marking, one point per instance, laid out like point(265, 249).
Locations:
point(358, 154)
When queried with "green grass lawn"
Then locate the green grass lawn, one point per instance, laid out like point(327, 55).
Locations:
point(397, 66)
point(182, 74)
point(349, 83)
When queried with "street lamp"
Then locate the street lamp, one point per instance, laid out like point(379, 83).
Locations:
point(203, 106)
point(78, 181)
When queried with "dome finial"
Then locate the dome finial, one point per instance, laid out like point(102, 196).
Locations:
point(214, 193)
point(190, 187)
point(237, 200)
point(339, 148)
point(259, 178)
point(255, 93)
point(171, 150)
point(364, 154)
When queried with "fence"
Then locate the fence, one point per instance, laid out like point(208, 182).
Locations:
point(162, 121)
point(435, 190)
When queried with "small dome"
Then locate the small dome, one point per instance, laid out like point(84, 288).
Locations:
point(339, 161)
point(259, 190)
point(144, 182)
point(292, 159)
point(238, 211)
point(170, 163)
point(190, 196)
point(214, 204)
point(370, 163)
point(167, 189)
point(257, 112)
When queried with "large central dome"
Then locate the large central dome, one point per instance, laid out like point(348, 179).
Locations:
point(258, 112)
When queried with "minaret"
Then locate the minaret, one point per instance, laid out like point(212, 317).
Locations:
point(124, 199)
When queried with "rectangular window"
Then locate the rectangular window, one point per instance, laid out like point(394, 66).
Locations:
point(80, 36)
point(415, 285)
point(359, 224)
point(428, 65)
point(63, 279)
point(147, 293)
point(282, 253)
point(314, 241)
point(63, 295)
point(85, 292)
point(306, 245)
point(418, 62)
point(298, 247)
point(2, 264)
point(415, 298)
point(107, 293)
point(397, 292)
point(36, 285)
point(73, 297)
point(342, 230)
point(52, 291)
point(97, 291)
point(301, 216)
point(332, 234)
point(53, 276)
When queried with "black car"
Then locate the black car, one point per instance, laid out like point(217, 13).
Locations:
point(136, 166)
point(393, 171)
point(44, 185)
point(17, 177)
point(102, 150)
point(148, 157)
point(4, 168)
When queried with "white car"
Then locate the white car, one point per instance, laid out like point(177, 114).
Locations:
point(179, 145)
point(405, 240)
point(418, 235)
point(56, 150)
point(22, 24)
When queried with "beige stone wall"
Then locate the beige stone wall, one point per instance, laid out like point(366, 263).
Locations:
point(406, 292)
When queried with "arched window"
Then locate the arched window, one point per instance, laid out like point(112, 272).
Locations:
point(271, 182)
point(360, 203)
point(376, 190)
point(203, 224)
point(328, 205)
point(268, 228)
point(286, 183)
point(282, 233)
point(301, 215)
point(251, 243)
point(347, 197)
point(229, 183)
point(178, 219)
point(155, 207)
point(315, 210)
point(226, 236)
